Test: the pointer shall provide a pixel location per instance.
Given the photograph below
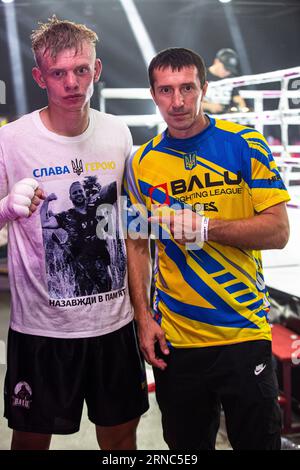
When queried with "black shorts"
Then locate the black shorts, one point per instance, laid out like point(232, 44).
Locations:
point(48, 379)
point(197, 381)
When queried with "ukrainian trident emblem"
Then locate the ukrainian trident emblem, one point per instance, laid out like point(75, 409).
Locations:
point(190, 160)
point(77, 166)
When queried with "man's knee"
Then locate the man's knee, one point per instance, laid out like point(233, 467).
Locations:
point(30, 441)
point(120, 437)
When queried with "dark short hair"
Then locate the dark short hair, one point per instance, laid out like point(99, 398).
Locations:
point(177, 58)
point(229, 59)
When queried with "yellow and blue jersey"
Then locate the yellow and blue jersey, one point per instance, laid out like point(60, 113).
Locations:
point(215, 295)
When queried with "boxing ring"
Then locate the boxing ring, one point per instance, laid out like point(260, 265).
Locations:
point(284, 115)
point(281, 91)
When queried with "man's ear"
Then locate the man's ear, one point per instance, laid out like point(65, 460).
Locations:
point(38, 77)
point(153, 95)
point(204, 89)
point(97, 70)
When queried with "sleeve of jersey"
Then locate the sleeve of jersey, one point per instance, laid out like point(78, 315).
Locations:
point(135, 215)
point(266, 185)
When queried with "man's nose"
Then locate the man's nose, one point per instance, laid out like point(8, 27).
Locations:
point(71, 81)
point(178, 100)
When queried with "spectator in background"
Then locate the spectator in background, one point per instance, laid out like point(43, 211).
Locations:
point(226, 98)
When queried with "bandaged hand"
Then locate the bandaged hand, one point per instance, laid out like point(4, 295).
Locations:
point(185, 225)
point(22, 201)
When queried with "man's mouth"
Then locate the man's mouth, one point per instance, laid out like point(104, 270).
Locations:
point(179, 115)
point(72, 97)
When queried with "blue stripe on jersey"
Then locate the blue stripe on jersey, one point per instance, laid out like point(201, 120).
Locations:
point(169, 151)
point(204, 165)
point(236, 287)
point(234, 265)
point(206, 262)
point(260, 157)
point(262, 183)
point(196, 283)
point(205, 315)
point(172, 152)
point(246, 131)
point(224, 278)
point(147, 149)
point(262, 313)
point(262, 143)
point(245, 297)
point(256, 305)
point(226, 153)
point(213, 150)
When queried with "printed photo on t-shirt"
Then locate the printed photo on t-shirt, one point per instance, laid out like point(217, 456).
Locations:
point(81, 259)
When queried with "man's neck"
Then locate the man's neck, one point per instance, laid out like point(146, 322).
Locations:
point(67, 124)
point(202, 123)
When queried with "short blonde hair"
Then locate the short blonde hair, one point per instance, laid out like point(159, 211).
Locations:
point(57, 35)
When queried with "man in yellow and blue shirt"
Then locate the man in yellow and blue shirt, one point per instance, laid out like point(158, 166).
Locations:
point(213, 195)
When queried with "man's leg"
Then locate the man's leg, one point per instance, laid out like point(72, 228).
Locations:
point(190, 411)
point(120, 437)
point(30, 441)
point(50, 400)
point(116, 390)
point(249, 397)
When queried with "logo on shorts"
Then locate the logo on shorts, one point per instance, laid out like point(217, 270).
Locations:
point(22, 395)
point(258, 369)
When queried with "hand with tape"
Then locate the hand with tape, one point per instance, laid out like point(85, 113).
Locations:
point(185, 226)
point(22, 201)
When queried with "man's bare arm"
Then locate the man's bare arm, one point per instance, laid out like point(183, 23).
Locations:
point(139, 274)
point(267, 230)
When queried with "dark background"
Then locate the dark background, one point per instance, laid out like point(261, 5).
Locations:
point(269, 28)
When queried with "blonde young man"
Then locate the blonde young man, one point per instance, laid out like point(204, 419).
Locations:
point(214, 190)
point(71, 336)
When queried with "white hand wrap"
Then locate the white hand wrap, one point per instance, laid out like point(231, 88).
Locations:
point(18, 201)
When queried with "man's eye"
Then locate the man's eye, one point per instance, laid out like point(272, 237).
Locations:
point(82, 70)
point(188, 88)
point(57, 73)
point(165, 90)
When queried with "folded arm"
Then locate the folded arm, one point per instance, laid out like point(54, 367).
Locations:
point(267, 230)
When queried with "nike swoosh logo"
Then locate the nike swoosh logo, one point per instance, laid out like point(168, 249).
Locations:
point(259, 371)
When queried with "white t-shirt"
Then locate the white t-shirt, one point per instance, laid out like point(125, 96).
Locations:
point(65, 281)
